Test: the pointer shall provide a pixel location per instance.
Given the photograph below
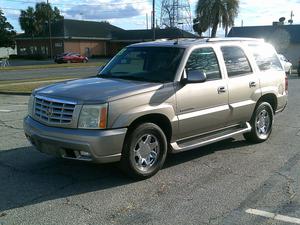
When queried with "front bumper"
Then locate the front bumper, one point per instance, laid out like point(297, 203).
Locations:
point(101, 146)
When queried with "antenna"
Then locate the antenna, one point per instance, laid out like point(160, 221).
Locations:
point(176, 14)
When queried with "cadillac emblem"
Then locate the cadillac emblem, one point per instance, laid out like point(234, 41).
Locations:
point(49, 112)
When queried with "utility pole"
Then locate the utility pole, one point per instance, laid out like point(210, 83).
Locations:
point(50, 33)
point(153, 19)
point(147, 21)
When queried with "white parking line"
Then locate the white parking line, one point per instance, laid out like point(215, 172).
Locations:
point(5, 110)
point(273, 216)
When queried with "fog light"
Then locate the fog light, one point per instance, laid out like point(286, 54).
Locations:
point(85, 154)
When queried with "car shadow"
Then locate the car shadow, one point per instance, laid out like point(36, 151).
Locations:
point(29, 177)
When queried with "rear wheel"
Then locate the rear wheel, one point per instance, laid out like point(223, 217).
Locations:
point(261, 123)
point(144, 151)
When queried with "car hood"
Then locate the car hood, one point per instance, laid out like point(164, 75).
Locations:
point(96, 90)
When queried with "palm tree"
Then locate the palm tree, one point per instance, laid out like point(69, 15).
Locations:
point(211, 13)
point(27, 21)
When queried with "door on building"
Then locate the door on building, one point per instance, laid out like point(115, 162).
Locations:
point(87, 52)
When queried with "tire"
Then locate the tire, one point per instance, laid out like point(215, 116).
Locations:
point(84, 61)
point(261, 123)
point(144, 151)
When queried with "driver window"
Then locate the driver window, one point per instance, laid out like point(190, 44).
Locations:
point(204, 60)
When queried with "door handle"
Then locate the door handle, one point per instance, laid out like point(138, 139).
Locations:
point(221, 90)
point(252, 84)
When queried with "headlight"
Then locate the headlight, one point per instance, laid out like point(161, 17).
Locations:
point(30, 105)
point(93, 117)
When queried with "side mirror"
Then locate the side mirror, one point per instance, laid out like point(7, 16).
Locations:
point(195, 76)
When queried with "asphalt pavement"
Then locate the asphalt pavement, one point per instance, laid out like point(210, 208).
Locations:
point(224, 183)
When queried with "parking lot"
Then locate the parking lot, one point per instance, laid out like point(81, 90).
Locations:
point(231, 182)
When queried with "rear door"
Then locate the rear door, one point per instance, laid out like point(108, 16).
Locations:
point(243, 84)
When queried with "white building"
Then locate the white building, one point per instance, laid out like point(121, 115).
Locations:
point(6, 52)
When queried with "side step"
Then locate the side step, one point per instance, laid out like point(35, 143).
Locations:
point(191, 143)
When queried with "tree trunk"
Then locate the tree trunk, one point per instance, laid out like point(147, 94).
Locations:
point(214, 29)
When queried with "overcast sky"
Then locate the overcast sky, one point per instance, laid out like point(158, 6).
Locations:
point(131, 14)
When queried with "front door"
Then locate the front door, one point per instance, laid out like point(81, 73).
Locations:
point(202, 107)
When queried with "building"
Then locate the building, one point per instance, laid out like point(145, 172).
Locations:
point(285, 38)
point(122, 38)
point(89, 38)
point(85, 37)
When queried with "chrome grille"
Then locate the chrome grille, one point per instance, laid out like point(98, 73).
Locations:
point(53, 111)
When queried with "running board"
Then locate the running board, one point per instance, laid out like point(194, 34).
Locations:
point(185, 145)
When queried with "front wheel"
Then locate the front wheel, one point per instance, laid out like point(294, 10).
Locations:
point(144, 151)
point(261, 123)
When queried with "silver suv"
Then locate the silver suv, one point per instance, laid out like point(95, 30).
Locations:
point(159, 97)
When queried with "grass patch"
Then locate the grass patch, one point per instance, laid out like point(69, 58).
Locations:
point(27, 87)
point(49, 66)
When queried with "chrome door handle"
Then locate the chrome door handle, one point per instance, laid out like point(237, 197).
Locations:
point(221, 90)
point(252, 84)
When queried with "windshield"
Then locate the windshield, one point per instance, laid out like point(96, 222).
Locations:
point(153, 64)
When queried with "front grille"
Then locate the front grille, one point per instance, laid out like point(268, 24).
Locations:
point(53, 111)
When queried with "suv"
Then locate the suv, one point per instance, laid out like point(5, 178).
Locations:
point(159, 97)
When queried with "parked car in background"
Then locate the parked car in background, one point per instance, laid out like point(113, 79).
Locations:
point(71, 57)
point(286, 64)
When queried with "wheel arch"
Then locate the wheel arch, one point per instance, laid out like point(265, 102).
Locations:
point(269, 98)
point(159, 119)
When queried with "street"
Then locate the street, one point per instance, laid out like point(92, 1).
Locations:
point(216, 184)
point(66, 72)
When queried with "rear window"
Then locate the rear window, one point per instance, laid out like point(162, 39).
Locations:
point(266, 57)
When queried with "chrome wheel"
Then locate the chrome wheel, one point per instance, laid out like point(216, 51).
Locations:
point(146, 152)
point(263, 122)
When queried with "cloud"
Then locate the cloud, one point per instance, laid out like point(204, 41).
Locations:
point(105, 10)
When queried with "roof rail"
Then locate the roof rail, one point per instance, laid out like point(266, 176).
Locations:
point(234, 39)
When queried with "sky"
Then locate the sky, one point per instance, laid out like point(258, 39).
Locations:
point(131, 14)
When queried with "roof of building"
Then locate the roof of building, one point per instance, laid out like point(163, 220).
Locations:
point(78, 29)
point(267, 32)
point(146, 35)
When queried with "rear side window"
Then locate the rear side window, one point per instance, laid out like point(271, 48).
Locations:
point(237, 63)
point(265, 57)
point(204, 60)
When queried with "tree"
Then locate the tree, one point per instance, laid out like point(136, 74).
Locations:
point(7, 33)
point(35, 21)
point(28, 22)
point(212, 13)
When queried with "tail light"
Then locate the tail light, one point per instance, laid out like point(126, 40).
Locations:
point(286, 83)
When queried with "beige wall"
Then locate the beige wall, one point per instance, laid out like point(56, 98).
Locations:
point(80, 46)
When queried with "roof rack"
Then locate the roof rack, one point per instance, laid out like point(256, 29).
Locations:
point(234, 39)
